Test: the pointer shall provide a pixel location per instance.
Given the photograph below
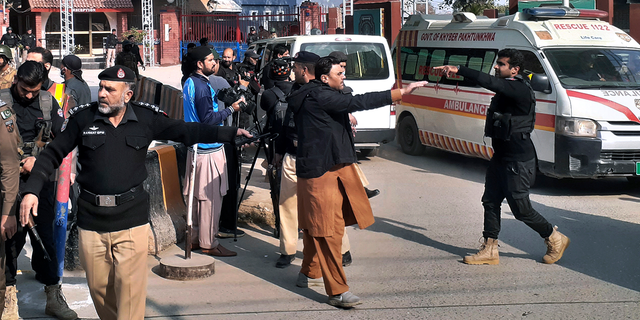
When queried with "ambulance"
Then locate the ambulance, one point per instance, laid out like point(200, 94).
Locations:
point(584, 71)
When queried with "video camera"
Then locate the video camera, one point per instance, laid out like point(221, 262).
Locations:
point(230, 95)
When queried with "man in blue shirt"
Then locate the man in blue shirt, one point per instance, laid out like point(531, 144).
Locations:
point(211, 181)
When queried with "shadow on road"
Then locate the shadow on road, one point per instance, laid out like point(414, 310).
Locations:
point(601, 247)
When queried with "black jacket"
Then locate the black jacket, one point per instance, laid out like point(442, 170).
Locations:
point(112, 41)
point(514, 97)
point(325, 138)
point(10, 39)
point(29, 40)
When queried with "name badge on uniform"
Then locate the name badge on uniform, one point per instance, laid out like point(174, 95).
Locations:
point(9, 125)
point(2, 103)
point(93, 131)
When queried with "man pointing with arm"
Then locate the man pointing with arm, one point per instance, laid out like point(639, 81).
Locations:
point(510, 121)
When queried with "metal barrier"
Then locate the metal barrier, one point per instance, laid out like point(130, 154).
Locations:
point(148, 90)
point(171, 102)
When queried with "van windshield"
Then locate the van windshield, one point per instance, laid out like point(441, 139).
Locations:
point(585, 68)
point(365, 61)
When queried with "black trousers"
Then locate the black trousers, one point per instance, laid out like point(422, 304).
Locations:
point(46, 271)
point(511, 180)
point(228, 216)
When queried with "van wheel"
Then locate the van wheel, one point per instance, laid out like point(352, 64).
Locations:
point(369, 152)
point(408, 137)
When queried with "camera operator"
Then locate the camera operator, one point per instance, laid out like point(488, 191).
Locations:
point(211, 180)
point(279, 51)
point(228, 69)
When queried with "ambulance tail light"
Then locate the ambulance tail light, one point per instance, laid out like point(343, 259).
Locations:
point(564, 12)
point(576, 127)
point(392, 112)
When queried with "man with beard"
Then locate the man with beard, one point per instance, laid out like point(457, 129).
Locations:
point(39, 119)
point(330, 193)
point(211, 177)
point(71, 72)
point(228, 69)
point(113, 136)
point(7, 72)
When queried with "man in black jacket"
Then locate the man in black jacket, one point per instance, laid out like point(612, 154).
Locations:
point(28, 42)
point(12, 40)
point(330, 193)
point(112, 42)
point(512, 169)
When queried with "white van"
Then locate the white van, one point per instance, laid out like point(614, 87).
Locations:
point(369, 68)
point(586, 74)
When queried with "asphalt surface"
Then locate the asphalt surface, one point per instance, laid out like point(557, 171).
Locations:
point(408, 264)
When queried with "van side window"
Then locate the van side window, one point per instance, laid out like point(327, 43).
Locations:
point(417, 64)
point(365, 61)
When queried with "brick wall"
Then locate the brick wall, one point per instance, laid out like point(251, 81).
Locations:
point(169, 50)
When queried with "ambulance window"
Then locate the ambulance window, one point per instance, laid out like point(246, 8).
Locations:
point(423, 56)
point(437, 59)
point(411, 66)
point(487, 63)
point(531, 63)
point(475, 63)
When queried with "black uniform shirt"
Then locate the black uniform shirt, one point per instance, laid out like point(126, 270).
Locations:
point(231, 75)
point(512, 96)
point(112, 41)
point(79, 90)
point(30, 119)
point(113, 158)
point(10, 39)
point(29, 40)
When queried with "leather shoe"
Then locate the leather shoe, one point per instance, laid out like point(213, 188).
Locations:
point(220, 251)
point(371, 193)
point(224, 233)
point(346, 259)
point(285, 260)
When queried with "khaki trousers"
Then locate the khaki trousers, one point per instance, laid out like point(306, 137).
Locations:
point(116, 267)
point(289, 209)
point(111, 57)
point(322, 258)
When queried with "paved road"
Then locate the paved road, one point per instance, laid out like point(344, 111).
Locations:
point(408, 264)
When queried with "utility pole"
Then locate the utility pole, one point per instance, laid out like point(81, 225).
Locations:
point(67, 42)
point(147, 25)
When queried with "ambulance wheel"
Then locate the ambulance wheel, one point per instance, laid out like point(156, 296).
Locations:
point(408, 137)
point(369, 152)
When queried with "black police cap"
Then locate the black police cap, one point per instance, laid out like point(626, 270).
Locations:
point(117, 73)
point(306, 57)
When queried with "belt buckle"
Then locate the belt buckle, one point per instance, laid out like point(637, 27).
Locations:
point(106, 200)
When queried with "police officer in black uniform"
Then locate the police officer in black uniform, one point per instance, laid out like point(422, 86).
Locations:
point(12, 40)
point(28, 42)
point(113, 135)
point(510, 121)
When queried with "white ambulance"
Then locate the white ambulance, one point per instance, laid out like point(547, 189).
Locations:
point(586, 74)
point(369, 68)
